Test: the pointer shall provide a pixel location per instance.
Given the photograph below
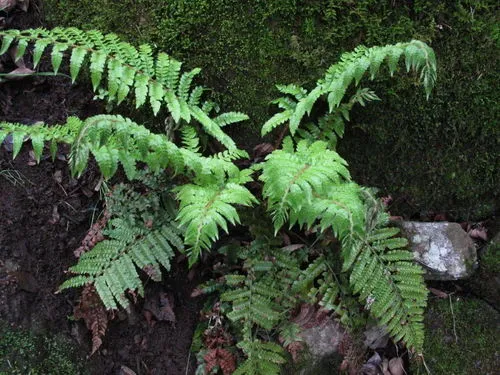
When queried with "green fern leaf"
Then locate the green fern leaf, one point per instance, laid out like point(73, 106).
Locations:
point(173, 105)
point(97, 63)
point(185, 83)
point(7, 41)
point(76, 61)
point(57, 56)
point(275, 121)
point(17, 142)
point(21, 49)
point(203, 209)
point(230, 118)
point(40, 46)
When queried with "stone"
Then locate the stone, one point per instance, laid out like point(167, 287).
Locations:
point(323, 342)
point(444, 249)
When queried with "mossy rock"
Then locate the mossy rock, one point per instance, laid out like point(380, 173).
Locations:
point(462, 338)
point(23, 352)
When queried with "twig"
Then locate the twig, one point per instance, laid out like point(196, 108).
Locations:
point(188, 359)
point(454, 323)
point(425, 365)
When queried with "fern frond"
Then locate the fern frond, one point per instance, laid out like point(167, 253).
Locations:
point(418, 57)
point(262, 358)
point(230, 118)
point(111, 264)
point(205, 208)
point(212, 128)
point(120, 68)
point(291, 179)
point(190, 139)
point(114, 140)
point(278, 119)
point(386, 278)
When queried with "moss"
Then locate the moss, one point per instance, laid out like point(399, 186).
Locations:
point(441, 154)
point(474, 350)
point(490, 259)
point(22, 352)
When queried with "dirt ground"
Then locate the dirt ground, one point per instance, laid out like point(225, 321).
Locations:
point(44, 214)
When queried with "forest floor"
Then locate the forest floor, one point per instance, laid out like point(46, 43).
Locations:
point(44, 215)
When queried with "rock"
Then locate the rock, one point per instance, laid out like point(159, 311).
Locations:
point(323, 344)
point(376, 337)
point(324, 339)
point(444, 249)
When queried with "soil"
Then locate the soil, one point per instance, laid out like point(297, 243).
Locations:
point(44, 215)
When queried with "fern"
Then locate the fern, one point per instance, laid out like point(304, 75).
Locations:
point(115, 140)
point(293, 178)
point(352, 67)
point(140, 234)
point(306, 184)
point(119, 69)
point(262, 358)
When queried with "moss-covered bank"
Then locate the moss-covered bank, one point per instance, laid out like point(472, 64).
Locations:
point(441, 154)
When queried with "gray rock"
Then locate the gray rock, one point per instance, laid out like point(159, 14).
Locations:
point(444, 249)
point(323, 344)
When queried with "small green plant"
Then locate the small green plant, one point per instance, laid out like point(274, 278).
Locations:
point(23, 352)
point(305, 185)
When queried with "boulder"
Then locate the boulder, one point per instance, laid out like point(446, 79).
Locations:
point(444, 249)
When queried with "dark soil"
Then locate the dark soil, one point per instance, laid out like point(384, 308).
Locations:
point(44, 214)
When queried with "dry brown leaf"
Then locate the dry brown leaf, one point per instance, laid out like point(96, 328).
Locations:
point(479, 233)
point(291, 248)
point(7, 5)
point(92, 311)
point(438, 293)
point(396, 366)
point(262, 150)
point(222, 358)
point(124, 370)
point(23, 4)
point(19, 73)
point(93, 236)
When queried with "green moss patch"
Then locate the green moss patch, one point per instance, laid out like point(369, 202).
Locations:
point(463, 342)
point(25, 353)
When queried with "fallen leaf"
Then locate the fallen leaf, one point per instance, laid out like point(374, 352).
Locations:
point(55, 215)
point(396, 366)
point(124, 370)
point(262, 150)
point(479, 233)
point(58, 176)
point(32, 159)
point(19, 73)
point(438, 293)
point(291, 248)
point(7, 5)
point(23, 4)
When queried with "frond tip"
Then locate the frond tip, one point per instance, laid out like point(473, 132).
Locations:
point(206, 208)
